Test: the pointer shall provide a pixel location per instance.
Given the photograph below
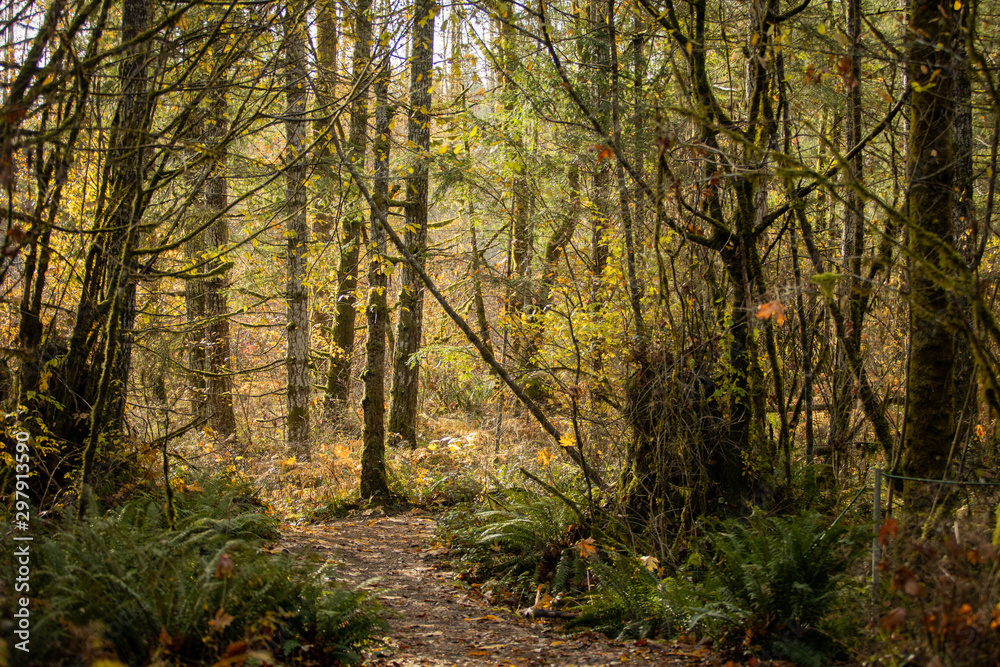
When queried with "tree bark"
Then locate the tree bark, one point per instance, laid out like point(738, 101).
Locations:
point(329, 191)
point(373, 481)
point(930, 424)
point(409, 325)
point(964, 220)
point(194, 302)
point(217, 338)
point(122, 212)
point(342, 344)
point(297, 235)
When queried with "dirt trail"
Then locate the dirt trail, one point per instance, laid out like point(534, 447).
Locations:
point(435, 622)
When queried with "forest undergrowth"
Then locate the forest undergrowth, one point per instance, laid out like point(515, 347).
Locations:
point(790, 580)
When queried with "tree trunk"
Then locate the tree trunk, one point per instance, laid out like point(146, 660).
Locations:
point(964, 225)
point(852, 242)
point(373, 478)
point(297, 234)
point(930, 424)
point(194, 301)
point(405, 366)
point(342, 347)
point(329, 191)
point(601, 179)
point(217, 338)
point(477, 283)
point(121, 212)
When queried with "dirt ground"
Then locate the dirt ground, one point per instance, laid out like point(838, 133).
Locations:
point(436, 621)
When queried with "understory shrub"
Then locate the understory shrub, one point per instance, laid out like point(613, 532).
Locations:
point(942, 606)
point(125, 585)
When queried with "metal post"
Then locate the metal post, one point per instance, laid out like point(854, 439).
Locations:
point(876, 547)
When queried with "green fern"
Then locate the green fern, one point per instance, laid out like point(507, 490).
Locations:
point(129, 578)
point(632, 602)
point(520, 540)
point(775, 579)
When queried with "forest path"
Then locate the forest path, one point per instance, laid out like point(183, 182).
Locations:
point(436, 622)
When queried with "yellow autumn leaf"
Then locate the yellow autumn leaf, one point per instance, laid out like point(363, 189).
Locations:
point(566, 440)
point(821, 28)
point(544, 457)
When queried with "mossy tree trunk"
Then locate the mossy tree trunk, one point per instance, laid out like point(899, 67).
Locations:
point(217, 337)
point(409, 325)
point(930, 425)
point(373, 478)
point(120, 208)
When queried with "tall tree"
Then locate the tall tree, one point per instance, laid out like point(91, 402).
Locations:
point(209, 344)
point(122, 203)
point(297, 235)
point(967, 233)
point(409, 323)
point(218, 342)
point(852, 241)
point(342, 343)
point(930, 426)
point(373, 480)
point(327, 201)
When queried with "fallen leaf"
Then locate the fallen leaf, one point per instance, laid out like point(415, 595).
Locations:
point(236, 654)
point(887, 531)
point(221, 620)
point(224, 568)
point(587, 548)
point(893, 620)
